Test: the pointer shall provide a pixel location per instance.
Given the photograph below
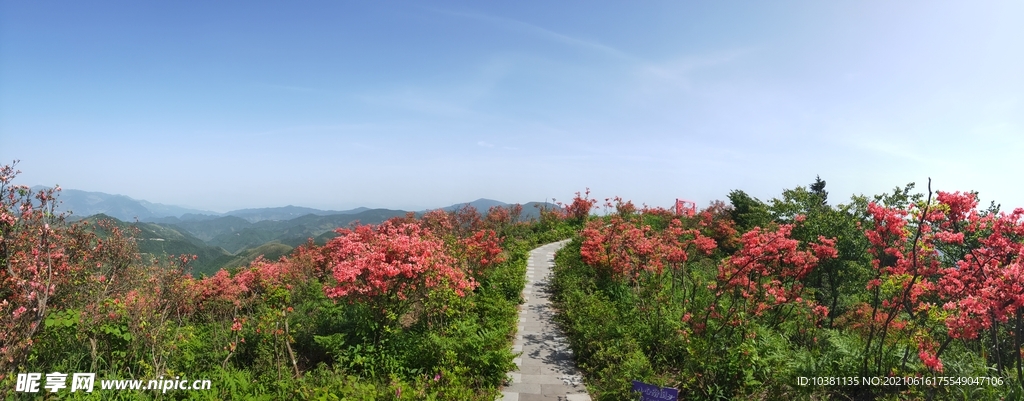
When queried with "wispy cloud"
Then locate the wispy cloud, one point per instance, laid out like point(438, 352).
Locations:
point(327, 128)
point(680, 70)
point(485, 144)
point(535, 30)
point(290, 88)
point(418, 101)
point(453, 99)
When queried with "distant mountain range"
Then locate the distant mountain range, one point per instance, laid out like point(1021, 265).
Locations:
point(121, 207)
point(84, 203)
point(235, 238)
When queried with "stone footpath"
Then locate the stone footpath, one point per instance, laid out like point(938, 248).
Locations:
point(546, 367)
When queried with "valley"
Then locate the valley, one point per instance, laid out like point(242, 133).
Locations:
point(236, 238)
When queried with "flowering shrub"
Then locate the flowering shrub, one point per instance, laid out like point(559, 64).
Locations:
point(481, 251)
point(33, 263)
point(678, 295)
point(618, 249)
point(377, 311)
point(933, 281)
point(391, 266)
point(580, 207)
point(768, 269)
point(945, 262)
point(499, 217)
point(395, 310)
point(623, 246)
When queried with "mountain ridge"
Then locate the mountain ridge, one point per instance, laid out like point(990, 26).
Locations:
point(236, 238)
point(88, 203)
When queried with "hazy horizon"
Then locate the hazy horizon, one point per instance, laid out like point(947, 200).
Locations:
point(235, 105)
point(201, 209)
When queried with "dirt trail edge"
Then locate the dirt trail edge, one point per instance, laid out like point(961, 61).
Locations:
point(546, 367)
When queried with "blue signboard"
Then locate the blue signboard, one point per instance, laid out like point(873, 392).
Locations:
point(650, 392)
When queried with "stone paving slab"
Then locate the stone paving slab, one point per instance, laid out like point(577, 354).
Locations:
point(546, 368)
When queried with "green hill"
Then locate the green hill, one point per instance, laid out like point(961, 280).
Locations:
point(286, 213)
point(235, 234)
point(233, 241)
point(206, 230)
point(158, 241)
point(270, 251)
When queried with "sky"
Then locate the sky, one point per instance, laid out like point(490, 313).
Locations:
point(411, 105)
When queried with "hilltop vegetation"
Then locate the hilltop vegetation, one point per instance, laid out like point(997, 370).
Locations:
point(412, 308)
point(921, 292)
point(898, 296)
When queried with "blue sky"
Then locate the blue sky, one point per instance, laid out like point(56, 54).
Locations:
point(226, 105)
